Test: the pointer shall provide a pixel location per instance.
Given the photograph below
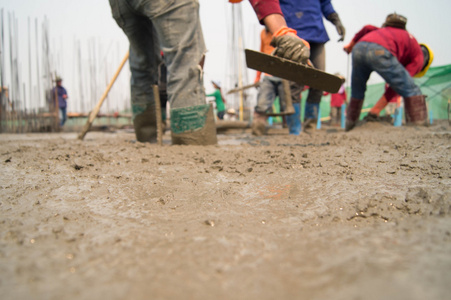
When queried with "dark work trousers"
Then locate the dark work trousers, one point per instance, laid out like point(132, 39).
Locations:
point(318, 58)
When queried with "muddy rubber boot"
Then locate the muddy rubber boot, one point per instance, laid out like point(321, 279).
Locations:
point(145, 125)
point(294, 120)
point(353, 113)
point(258, 125)
point(193, 125)
point(416, 110)
point(311, 115)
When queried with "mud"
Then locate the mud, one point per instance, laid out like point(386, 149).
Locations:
point(326, 215)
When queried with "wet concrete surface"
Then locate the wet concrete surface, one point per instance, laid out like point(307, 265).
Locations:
point(325, 215)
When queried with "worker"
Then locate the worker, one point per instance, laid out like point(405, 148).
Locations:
point(59, 95)
point(219, 100)
point(336, 102)
point(306, 16)
point(174, 27)
point(396, 56)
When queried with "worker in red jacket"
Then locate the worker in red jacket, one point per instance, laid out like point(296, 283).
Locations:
point(396, 56)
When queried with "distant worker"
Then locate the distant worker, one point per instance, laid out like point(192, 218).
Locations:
point(306, 17)
point(60, 92)
point(396, 56)
point(230, 115)
point(336, 101)
point(219, 100)
point(175, 28)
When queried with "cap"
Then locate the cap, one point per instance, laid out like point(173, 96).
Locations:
point(217, 83)
point(395, 20)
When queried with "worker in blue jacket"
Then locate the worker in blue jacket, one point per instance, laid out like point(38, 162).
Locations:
point(306, 17)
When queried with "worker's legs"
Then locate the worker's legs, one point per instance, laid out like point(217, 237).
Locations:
point(338, 116)
point(353, 113)
point(379, 106)
point(179, 30)
point(63, 115)
point(143, 61)
point(269, 90)
point(282, 96)
point(389, 68)
point(175, 29)
point(318, 58)
point(221, 114)
point(282, 103)
point(335, 115)
point(361, 71)
point(294, 120)
point(401, 82)
point(265, 99)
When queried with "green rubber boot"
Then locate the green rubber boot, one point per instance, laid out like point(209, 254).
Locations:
point(193, 125)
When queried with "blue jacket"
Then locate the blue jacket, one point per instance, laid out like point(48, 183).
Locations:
point(306, 17)
point(62, 103)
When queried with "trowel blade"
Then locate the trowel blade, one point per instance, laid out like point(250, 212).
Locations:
point(292, 71)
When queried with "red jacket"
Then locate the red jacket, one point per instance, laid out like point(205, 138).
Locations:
point(263, 8)
point(399, 42)
point(337, 99)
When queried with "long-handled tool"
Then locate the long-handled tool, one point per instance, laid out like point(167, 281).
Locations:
point(236, 90)
point(96, 109)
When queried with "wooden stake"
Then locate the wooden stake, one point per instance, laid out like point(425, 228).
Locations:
point(156, 96)
point(96, 109)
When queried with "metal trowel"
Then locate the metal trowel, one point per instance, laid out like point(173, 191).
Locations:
point(293, 71)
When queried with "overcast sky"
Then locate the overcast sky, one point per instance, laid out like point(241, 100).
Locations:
point(69, 20)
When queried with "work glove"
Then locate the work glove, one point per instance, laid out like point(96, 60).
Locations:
point(348, 48)
point(289, 46)
point(335, 19)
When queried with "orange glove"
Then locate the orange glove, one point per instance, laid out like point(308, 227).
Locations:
point(348, 47)
point(289, 46)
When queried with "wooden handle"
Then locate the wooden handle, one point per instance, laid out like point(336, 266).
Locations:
point(96, 109)
point(156, 96)
point(286, 90)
